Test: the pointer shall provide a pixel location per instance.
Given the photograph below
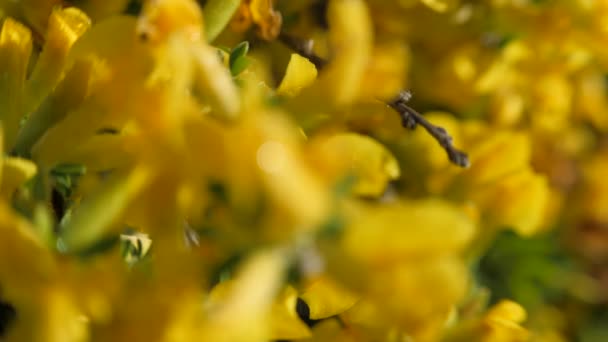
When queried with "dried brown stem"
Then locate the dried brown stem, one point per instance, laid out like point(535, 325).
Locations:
point(410, 118)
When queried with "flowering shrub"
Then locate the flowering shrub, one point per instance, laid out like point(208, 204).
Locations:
point(253, 170)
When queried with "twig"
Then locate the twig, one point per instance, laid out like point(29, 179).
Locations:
point(410, 118)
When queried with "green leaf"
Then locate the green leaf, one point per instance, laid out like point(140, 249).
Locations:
point(239, 65)
point(240, 50)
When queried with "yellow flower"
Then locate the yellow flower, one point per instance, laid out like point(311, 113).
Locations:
point(502, 323)
point(300, 73)
point(358, 156)
point(518, 201)
point(284, 320)
point(64, 28)
point(341, 224)
point(15, 50)
point(326, 298)
point(387, 234)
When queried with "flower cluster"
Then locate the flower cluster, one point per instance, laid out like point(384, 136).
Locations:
point(253, 170)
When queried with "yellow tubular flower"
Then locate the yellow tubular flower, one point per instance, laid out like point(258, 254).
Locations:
point(69, 94)
point(115, 94)
point(33, 12)
point(163, 23)
point(64, 28)
point(214, 79)
point(351, 46)
point(15, 51)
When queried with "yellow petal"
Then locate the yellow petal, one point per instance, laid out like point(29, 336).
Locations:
point(331, 331)
point(431, 287)
point(161, 18)
point(503, 153)
point(284, 321)
point(25, 263)
point(507, 310)
point(102, 152)
point(371, 163)
point(15, 51)
point(290, 183)
point(300, 73)
point(33, 12)
point(67, 135)
point(15, 172)
point(518, 201)
point(386, 71)
point(59, 321)
point(502, 323)
point(216, 83)
point(326, 298)
point(70, 93)
point(394, 232)
point(351, 40)
point(64, 28)
point(241, 311)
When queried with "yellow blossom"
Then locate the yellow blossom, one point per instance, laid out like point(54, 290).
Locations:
point(299, 74)
point(171, 175)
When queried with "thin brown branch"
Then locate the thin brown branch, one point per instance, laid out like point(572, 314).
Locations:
point(410, 118)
